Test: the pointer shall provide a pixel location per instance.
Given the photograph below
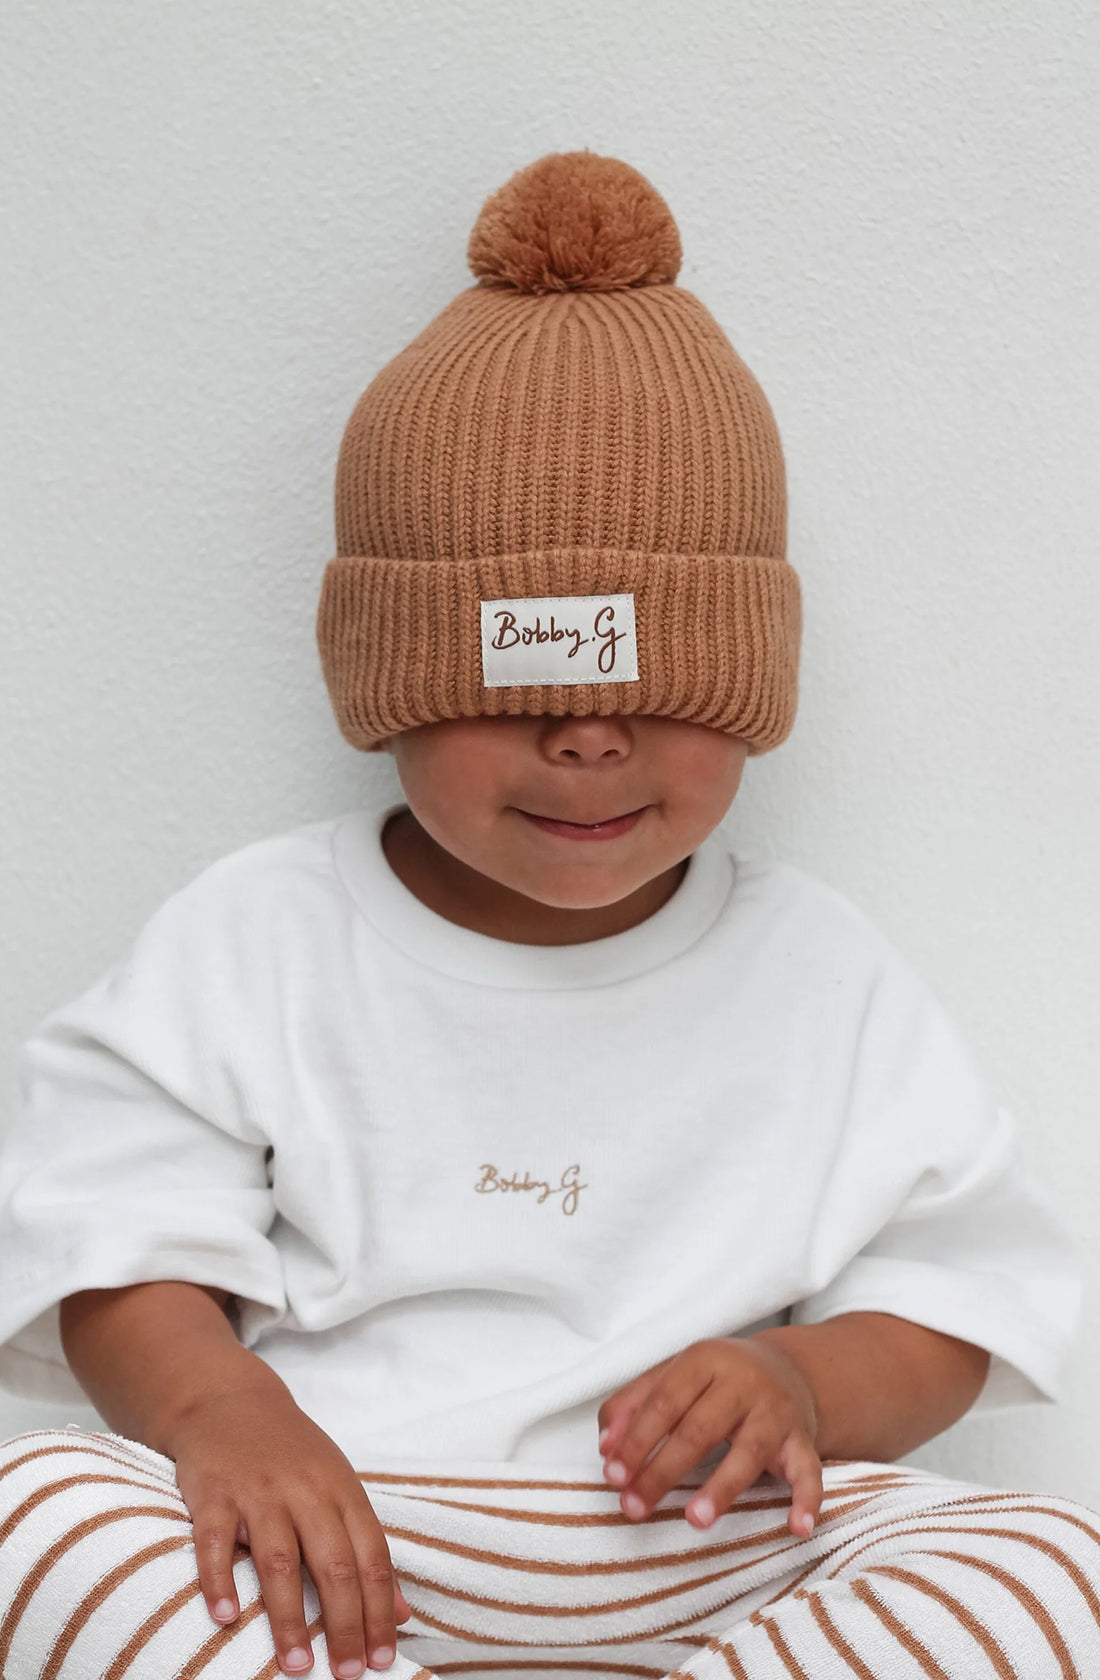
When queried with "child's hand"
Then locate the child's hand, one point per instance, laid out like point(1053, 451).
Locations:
point(255, 1468)
point(745, 1390)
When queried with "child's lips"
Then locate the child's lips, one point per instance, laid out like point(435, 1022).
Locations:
point(608, 829)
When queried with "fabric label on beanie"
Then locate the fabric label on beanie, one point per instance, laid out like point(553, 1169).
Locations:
point(558, 639)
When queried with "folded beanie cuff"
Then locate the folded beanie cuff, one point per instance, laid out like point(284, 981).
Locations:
point(717, 639)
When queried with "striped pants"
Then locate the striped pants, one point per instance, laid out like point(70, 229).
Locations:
point(512, 1570)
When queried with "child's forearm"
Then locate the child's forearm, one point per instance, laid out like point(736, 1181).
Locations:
point(882, 1384)
point(143, 1354)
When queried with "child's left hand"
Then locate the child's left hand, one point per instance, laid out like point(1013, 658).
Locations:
point(746, 1390)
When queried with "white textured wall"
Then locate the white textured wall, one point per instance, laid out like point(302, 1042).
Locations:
point(221, 219)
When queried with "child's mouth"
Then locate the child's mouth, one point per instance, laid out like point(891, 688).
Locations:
point(607, 830)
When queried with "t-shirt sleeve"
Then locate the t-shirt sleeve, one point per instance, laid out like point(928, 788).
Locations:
point(133, 1156)
point(949, 1230)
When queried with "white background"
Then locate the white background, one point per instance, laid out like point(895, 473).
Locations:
point(221, 220)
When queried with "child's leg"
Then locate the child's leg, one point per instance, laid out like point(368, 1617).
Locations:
point(908, 1574)
point(935, 1578)
point(518, 1574)
point(98, 1579)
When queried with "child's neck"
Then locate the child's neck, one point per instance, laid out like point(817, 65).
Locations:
point(464, 895)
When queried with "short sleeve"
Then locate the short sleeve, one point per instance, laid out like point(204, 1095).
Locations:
point(132, 1157)
point(951, 1231)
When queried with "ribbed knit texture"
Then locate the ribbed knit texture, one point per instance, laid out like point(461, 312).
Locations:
point(588, 437)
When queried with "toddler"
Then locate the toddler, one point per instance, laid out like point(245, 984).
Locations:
point(505, 1227)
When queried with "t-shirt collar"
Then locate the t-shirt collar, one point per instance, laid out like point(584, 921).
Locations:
point(424, 934)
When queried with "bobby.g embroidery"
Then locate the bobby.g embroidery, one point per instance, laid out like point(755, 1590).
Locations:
point(492, 1180)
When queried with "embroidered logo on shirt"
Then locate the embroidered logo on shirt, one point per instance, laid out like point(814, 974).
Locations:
point(492, 1180)
point(558, 639)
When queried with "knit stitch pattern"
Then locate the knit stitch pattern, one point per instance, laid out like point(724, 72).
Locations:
point(574, 424)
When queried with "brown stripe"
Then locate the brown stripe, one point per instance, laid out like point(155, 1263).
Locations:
point(94, 1599)
point(565, 1519)
point(668, 1632)
point(550, 1566)
point(133, 1453)
point(10, 1623)
point(510, 1663)
point(782, 1649)
point(883, 1477)
point(784, 1592)
point(1070, 1566)
point(47, 1491)
point(833, 1634)
point(34, 1576)
point(962, 1615)
point(160, 1617)
point(1027, 1598)
point(867, 1595)
point(221, 1637)
point(521, 1482)
point(994, 1499)
point(815, 1563)
point(732, 1660)
point(984, 1503)
point(76, 1443)
point(93, 1452)
point(519, 1607)
point(1046, 1546)
point(617, 1517)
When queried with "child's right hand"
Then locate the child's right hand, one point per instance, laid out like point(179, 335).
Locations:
point(253, 1467)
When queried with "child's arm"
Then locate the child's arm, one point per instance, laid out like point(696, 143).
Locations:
point(162, 1364)
point(881, 1384)
point(143, 1353)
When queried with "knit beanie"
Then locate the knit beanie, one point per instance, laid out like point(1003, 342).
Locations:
point(567, 494)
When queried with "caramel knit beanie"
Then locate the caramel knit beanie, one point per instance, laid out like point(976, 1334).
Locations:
point(567, 494)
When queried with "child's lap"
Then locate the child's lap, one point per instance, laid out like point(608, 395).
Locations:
point(98, 1577)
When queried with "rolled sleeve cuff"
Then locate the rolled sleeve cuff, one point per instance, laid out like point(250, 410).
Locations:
point(1028, 1354)
point(32, 1359)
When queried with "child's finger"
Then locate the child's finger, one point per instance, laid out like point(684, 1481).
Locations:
point(661, 1410)
point(752, 1446)
point(618, 1409)
point(625, 1406)
point(800, 1466)
point(612, 1433)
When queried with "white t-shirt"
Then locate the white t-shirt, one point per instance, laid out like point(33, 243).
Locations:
point(464, 1188)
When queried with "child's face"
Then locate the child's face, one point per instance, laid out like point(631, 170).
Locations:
point(470, 781)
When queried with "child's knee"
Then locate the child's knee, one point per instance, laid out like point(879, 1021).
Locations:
point(97, 1558)
point(54, 1453)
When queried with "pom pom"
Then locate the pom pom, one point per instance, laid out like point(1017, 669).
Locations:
point(572, 222)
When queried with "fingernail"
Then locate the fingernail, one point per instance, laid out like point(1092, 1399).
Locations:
point(224, 1609)
point(350, 1670)
point(614, 1471)
point(806, 1523)
point(703, 1510)
point(297, 1658)
point(604, 1433)
point(383, 1656)
point(633, 1505)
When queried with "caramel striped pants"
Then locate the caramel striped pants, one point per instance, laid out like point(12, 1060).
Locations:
point(516, 1571)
